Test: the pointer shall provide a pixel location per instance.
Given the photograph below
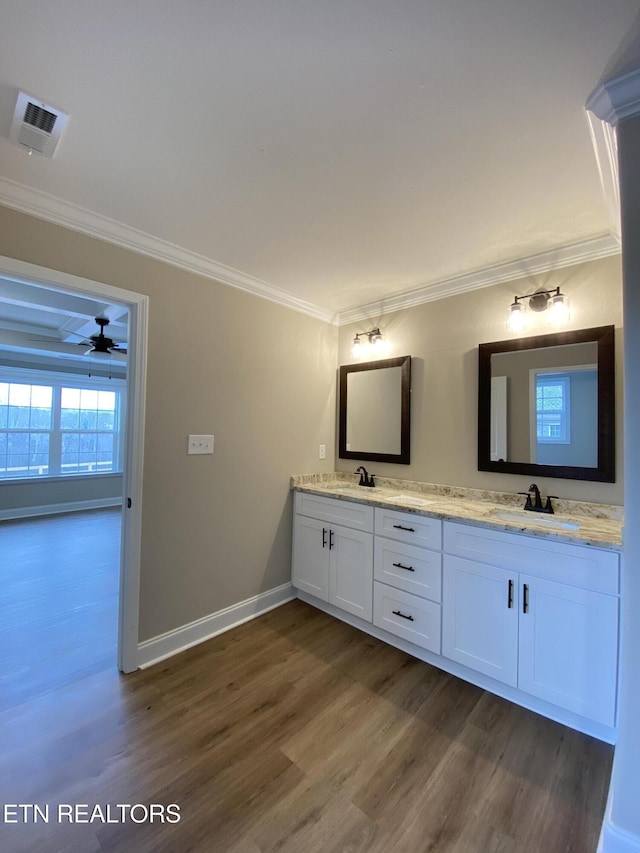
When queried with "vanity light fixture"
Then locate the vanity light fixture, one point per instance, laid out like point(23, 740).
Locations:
point(375, 340)
point(539, 301)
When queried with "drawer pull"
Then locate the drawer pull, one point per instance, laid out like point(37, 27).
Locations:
point(406, 568)
point(400, 527)
point(398, 613)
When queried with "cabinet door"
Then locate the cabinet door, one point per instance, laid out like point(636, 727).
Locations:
point(480, 618)
point(569, 647)
point(351, 571)
point(310, 571)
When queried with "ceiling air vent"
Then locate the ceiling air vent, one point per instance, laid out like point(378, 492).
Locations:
point(37, 126)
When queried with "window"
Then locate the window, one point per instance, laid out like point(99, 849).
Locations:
point(552, 408)
point(56, 424)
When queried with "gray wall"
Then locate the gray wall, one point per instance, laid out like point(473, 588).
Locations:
point(27, 494)
point(216, 529)
point(443, 339)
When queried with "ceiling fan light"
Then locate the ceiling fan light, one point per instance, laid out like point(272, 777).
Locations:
point(99, 354)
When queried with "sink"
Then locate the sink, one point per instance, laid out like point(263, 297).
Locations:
point(409, 500)
point(366, 492)
point(525, 517)
point(356, 491)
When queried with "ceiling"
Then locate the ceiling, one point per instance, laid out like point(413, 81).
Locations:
point(38, 324)
point(336, 153)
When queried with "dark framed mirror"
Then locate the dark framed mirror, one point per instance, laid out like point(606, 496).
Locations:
point(374, 410)
point(546, 405)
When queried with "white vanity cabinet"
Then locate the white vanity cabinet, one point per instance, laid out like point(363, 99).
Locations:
point(333, 552)
point(529, 618)
point(535, 614)
point(407, 589)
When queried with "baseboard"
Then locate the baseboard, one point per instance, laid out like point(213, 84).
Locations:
point(614, 839)
point(57, 509)
point(166, 645)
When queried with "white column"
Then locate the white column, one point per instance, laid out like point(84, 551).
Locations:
point(618, 103)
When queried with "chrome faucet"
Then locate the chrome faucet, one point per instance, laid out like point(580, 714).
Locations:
point(365, 479)
point(535, 505)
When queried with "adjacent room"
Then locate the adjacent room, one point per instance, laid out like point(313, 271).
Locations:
point(63, 417)
point(318, 506)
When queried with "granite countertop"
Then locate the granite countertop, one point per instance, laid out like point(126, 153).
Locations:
point(596, 525)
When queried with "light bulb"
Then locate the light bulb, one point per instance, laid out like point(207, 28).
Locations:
point(356, 347)
point(517, 319)
point(559, 309)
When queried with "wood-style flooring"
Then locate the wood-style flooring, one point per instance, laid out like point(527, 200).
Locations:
point(293, 733)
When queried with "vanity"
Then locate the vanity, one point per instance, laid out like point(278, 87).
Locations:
point(524, 606)
point(522, 603)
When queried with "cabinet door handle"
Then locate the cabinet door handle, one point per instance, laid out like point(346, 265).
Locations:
point(324, 536)
point(525, 598)
point(330, 539)
point(510, 596)
point(398, 613)
point(406, 568)
point(400, 527)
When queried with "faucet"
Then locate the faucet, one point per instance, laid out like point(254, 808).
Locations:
point(537, 500)
point(535, 505)
point(365, 479)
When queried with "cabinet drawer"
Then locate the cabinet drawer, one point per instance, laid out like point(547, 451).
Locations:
point(416, 570)
point(334, 511)
point(407, 616)
point(409, 527)
point(578, 565)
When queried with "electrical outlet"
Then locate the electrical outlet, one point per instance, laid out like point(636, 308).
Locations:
point(200, 444)
point(322, 451)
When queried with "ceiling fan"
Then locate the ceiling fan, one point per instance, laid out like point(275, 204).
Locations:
point(100, 344)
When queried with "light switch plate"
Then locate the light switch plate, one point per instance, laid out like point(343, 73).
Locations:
point(200, 444)
point(322, 451)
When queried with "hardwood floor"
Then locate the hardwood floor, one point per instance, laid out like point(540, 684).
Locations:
point(58, 600)
point(294, 732)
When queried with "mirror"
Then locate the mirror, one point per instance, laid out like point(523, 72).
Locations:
point(375, 410)
point(546, 405)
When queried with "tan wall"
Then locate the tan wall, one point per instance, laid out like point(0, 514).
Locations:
point(443, 339)
point(261, 378)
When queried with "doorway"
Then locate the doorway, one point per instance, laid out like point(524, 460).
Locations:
point(132, 444)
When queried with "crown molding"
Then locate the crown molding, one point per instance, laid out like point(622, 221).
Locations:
point(616, 99)
point(52, 209)
point(605, 146)
point(45, 206)
point(562, 256)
